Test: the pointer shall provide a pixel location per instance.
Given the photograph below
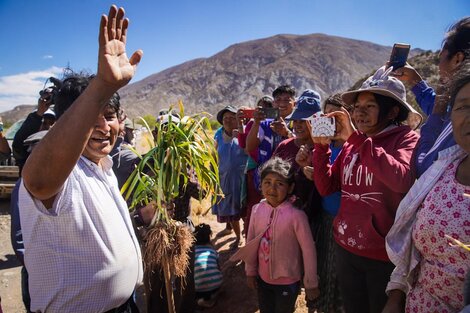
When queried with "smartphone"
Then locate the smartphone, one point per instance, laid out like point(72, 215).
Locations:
point(272, 113)
point(399, 55)
point(248, 113)
point(323, 126)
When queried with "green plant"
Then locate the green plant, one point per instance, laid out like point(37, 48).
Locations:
point(148, 121)
point(180, 151)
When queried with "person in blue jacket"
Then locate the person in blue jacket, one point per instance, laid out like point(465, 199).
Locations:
point(436, 134)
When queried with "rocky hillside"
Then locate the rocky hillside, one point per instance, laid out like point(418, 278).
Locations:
point(243, 72)
point(19, 112)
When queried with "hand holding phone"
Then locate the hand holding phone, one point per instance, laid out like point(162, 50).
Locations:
point(248, 113)
point(399, 55)
point(323, 126)
point(272, 113)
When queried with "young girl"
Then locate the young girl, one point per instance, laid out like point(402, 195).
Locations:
point(286, 248)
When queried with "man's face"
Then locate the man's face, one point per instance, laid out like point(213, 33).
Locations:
point(285, 102)
point(103, 136)
point(301, 130)
point(229, 121)
point(448, 66)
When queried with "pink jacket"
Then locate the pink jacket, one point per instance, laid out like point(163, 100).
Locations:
point(293, 251)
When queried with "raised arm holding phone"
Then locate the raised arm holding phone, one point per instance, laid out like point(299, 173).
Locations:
point(80, 248)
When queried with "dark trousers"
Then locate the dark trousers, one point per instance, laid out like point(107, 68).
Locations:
point(128, 307)
point(207, 295)
point(25, 289)
point(362, 281)
point(277, 298)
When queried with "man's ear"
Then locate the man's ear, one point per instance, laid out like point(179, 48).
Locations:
point(457, 59)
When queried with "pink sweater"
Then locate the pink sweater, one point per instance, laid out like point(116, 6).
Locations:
point(293, 250)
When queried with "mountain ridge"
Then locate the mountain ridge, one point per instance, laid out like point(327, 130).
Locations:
point(243, 72)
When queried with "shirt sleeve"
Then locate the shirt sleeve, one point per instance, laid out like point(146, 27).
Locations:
point(251, 269)
point(309, 251)
point(242, 136)
point(429, 134)
point(261, 133)
point(425, 96)
point(327, 177)
point(398, 281)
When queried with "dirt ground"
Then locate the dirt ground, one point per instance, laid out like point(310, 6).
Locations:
point(235, 296)
point(10, 284)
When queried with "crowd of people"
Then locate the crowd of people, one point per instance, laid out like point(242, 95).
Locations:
point(372, 219)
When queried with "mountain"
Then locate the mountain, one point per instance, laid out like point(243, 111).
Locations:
point(242, 73)
point(17, 113)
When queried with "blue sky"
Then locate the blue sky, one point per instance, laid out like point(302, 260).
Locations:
point(41, 37)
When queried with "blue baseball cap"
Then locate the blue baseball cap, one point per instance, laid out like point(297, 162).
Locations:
point(306, 105)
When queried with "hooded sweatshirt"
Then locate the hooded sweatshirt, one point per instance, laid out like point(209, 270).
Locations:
point(373, 175)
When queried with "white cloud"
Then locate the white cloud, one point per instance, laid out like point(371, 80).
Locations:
point(23, 88)
point(48, 56)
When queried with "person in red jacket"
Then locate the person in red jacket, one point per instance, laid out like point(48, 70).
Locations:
point(373, 174)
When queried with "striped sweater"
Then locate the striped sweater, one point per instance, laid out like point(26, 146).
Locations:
point(207, 276)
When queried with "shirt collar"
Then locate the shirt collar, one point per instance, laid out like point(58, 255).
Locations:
point(106, 163)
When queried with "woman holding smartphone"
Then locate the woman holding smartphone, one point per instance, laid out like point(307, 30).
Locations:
point(373, 174)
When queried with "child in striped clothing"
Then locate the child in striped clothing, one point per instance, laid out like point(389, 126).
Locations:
point(207, 275)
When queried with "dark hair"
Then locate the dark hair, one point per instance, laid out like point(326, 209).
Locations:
point(72, 87)
point(386, 104)
point(337, 101)
point(278, 166)
point(284, 89)
point(202, 232)
point(265, 102)
point(459, 79)
point(457, 38)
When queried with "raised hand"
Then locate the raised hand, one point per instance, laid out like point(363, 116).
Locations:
point(279, 126)
point(407, 74)
point(312, 294)
point(114, 68)
point(344, 124)
point(308, 172)
point(252, 282)
point(304, 156)
point(44, 102)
